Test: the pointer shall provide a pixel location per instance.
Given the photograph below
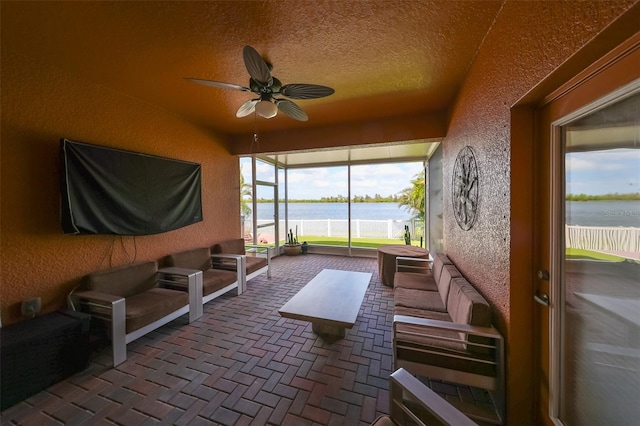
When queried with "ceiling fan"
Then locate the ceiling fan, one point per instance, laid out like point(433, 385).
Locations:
point(268, 89)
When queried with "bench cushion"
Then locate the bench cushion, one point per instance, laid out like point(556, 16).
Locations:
point(146, 307)
point(421, 313)
point(414, 280)
point(124, 281)
point(426, 336)
point(234, 246)
point(444, 283)
point(199, 259)
point(466, 305)
point(439, 260)
point(422, 281)
point(216, 279)
point(255, 263)
point(419, 299)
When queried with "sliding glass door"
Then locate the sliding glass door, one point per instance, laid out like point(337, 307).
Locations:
point(599, 287)
point(259, 201)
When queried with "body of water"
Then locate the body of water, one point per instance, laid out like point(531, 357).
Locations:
point(585, 213)
point(603, 213)
point(370, 211)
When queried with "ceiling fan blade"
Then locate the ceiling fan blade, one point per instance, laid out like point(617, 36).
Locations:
point(247, 108)
point(257, 67)
point(291, 109)
point(305, 91)
point(219, 84)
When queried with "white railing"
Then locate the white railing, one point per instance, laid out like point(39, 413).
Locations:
point(597, 238)
point(361, 228)
point(603, 238)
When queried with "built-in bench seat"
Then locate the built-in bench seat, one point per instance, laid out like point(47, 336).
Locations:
point(136, 299)
point(257, 258)
point(442, 328)
point(215, 282)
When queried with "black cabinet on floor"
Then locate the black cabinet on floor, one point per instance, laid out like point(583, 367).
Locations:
point(39, 352)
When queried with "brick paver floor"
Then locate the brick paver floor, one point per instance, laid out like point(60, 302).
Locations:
point(240, 364)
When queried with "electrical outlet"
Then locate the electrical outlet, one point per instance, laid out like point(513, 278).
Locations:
point(30, 307)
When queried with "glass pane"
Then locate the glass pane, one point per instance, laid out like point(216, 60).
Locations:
point(281, 205)
point(318, 206)
point(435, 222)
point(265, 172)
point(600, 359)
point(386, 198)
point(266, 214)
point(246, 198)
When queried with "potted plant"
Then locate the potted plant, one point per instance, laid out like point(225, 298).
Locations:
point(292, 247)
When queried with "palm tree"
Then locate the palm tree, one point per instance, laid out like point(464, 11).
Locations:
point(245, 191)
point(412, 198)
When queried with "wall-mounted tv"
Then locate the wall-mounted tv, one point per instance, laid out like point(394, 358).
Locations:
point(112, 191)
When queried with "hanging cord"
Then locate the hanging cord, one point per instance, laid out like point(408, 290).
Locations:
point(255, 132)
point(70, 300)
point(109, 253)
point(135, 249)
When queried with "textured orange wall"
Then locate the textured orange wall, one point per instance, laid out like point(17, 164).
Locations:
point(527, 42)
point(40, 105)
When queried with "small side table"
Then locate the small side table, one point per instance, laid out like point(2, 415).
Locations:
point(387, 259)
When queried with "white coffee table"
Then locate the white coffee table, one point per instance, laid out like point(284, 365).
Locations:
point(330, 301)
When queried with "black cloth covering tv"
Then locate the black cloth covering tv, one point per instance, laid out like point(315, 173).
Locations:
point(112, 191)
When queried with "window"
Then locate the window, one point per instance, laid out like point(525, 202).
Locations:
point(359, 198)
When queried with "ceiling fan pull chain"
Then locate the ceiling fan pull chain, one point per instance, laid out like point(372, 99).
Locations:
point(255, 132)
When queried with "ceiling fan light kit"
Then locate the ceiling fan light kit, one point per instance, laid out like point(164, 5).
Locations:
point(267, 87)
point(266, 109)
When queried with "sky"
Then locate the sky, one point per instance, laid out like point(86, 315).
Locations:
point(314, 183)
point(603, 172)
point(592, 173)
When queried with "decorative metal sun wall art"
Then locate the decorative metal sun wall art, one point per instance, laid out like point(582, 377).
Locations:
point(464, 189)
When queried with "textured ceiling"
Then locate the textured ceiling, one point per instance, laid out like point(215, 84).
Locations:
point(383, 58)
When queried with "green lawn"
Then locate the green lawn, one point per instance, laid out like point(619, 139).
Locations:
point(577, 254)
point(355, 242)
point(572, 254)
